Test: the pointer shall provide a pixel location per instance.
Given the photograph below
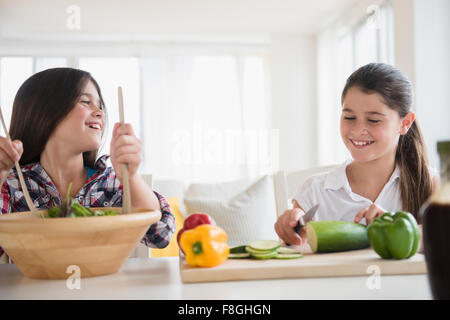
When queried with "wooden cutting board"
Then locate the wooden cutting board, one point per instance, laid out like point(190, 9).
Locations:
point(348, 263)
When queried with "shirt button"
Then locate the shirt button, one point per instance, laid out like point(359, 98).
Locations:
point(105, 204)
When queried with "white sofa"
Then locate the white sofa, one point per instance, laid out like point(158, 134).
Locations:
point(285, 185)
point(245, 209)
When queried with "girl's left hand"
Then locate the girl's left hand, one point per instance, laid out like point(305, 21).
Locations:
point(369, 213)
point(125, 148)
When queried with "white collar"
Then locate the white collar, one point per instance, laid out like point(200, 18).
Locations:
point(337, 178)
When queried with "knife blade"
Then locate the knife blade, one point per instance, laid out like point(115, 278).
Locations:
point(307, 217)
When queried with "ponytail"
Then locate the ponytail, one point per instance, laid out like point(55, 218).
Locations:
point(415, 178)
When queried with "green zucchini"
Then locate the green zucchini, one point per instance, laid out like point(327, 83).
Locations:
point(332, 236)
point(238, 249)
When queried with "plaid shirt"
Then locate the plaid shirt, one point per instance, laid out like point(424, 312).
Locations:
point(102, 189)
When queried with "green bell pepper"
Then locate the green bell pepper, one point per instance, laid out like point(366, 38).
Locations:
point(394, 236)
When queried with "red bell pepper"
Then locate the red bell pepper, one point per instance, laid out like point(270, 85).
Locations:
point(193, 220)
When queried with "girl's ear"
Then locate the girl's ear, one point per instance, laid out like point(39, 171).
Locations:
point(407, 122)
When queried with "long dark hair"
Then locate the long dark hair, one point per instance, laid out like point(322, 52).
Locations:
point(411, 156)
point(41, 103)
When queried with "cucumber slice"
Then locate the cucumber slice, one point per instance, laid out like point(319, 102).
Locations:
point(269, 255)
point(284, 250)
point(238, 255)
point(259, 254)
point(252, 251)
point(265, 245)
point(276, 252)
point(289, 256)
point(238, 249)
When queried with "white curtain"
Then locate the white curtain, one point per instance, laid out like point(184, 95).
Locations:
point(205, 118)
point(111, 73)
point(202, 116)
point(356, 38)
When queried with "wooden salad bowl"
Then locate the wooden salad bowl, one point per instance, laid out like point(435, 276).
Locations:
point(45, 248)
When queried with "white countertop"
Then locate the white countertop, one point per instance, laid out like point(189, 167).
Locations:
point(159, 278)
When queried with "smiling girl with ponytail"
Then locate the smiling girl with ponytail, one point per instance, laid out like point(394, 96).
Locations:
point(388, 169)
point(411, 156)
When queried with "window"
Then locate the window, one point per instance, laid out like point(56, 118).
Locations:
point(369, 39)
point(13, 72)
point(41, 64)
point(200, 117)
point(205, 117)
point(365, 45)
point(110, 73)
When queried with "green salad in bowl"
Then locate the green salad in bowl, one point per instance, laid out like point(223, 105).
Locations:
point(71, 208)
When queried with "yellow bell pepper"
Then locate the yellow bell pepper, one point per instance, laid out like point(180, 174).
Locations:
point(205, 246)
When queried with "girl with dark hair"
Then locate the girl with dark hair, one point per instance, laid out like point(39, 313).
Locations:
point(57, 125)
point(389, 167)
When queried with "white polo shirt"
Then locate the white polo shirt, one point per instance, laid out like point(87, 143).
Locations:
point(337, 201)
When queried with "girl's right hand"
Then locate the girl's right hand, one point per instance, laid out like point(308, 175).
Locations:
point(369, 213)
point(10, 151)
point(285, 227)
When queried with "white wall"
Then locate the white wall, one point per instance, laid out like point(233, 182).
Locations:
point(432, 65)
point(293, 77)
point(422, 45)
point(404, 37)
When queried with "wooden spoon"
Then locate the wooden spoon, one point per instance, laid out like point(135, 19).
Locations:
point(126, 200)
point(19, 173)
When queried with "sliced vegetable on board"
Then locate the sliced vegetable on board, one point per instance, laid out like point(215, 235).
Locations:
point(262, 254)
point(238, 249)
point(262, 250)
point(289, 256)
point(242, 255)
point(288, 253)
point(285, 250)
point(264, 245)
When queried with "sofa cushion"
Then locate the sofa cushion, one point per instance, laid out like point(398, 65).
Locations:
point(222, 191)
point(171, 189)
point(172, 250)
point(247, 216)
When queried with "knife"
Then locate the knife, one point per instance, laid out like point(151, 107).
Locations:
point(307, 217)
